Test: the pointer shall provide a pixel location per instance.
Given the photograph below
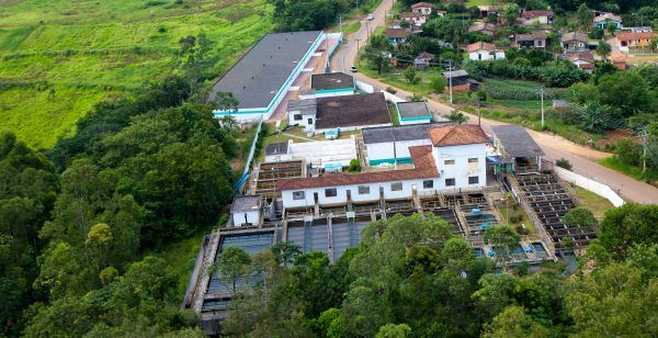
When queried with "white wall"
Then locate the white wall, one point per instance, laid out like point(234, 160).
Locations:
point(485, 55)
point(384, 150)
point(351, 128)
point(591, 185)
point(372, 196)
point(303, 122)
point(253, 217)
point(461, 170)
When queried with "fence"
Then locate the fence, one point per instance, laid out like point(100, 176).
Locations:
point(591, 185)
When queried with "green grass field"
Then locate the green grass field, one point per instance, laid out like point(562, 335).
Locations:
point(58, 58)
point(650, 176)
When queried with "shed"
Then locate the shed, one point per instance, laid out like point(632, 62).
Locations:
point(514, 142)
point(413, 112)
point(246, 210)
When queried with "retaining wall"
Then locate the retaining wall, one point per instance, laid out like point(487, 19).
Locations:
point(591, 185)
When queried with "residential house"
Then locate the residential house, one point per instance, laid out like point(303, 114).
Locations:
point(574, 41)
point(460, 80)
point(397, 35)
point(340, 113)
point(486, 10)
point(541, 17)
point(639, 29)
point(455, 160)
point(629, 40)
point(619, 60)
point(422, 8)
point(484, 51)
point(482, 27)
point(415, 20)
point(583, 60)
point(423, 60)
point(413, 112)
point(531, 40)
point(603, 20)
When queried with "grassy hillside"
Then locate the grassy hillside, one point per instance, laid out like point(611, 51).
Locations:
point(60, 57)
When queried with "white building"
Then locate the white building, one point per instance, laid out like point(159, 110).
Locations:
point(246, 210)
point(484, 51)
point(390, 145)
point(455, 160)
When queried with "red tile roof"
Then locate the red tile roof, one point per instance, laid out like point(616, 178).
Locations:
point(455, 135)
point(635, 36)
point(422, 4)
point(535, 14)
point(424, 167)
point(474, 47)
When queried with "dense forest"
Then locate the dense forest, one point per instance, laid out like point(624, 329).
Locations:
point(410, 277)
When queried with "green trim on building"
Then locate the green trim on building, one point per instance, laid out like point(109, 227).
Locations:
point(401, 160)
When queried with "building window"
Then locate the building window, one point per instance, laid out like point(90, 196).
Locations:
point(449, 162)
point(397, 186)
point(364, 189)
point(428, 184)
point(331, 192)
point(297, 117)
point(450, 182)
point(473, 160)
point(310, 121)
point(297, 195)
point(473, 179)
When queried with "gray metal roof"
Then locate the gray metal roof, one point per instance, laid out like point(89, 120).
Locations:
point(256, 78)
point(413, 109)
point(276, 148)
point(400, 133)
point(516, 142)
point(456, 73)
point(305, 107)
point(245, 203)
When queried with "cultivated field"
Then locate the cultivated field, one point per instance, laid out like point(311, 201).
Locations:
point(60, 57)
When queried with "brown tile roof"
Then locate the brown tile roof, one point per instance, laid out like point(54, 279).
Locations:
point(397, 32)
point(633, 36)
point(455, 135)
point(422, 4)
point(351, 111)
point(583, 56)
point(474, 47)
point(532, 36)
point(534, 14)
point(578, 36)
point(424, 167)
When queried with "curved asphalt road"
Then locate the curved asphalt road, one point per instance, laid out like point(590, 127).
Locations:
point(583, 159)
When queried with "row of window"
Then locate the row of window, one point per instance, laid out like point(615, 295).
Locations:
point(452, 162)
point(396, 186)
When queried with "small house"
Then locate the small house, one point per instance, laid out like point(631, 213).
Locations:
point(415, 20)
point(583, 60)
point(574, 41)
point(483, 28)
point(413, 112)
point(531, 40)
point(460, 80)
point(619, 60)
point(246, 211)
point(541, 17)
point(605, 19)
point(486, 10)
point(422, 8)
point(629, 40)
point(423, 60)
point(397, 35)
point(484, 51)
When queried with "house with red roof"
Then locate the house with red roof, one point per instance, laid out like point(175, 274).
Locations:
point(450, 158)
point(630, 40)
point(541, 17)
point(484, 51)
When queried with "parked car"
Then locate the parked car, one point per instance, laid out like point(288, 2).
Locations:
point(371, 17)
point(353, 69)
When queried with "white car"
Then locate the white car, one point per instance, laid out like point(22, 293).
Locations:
point(371, 17)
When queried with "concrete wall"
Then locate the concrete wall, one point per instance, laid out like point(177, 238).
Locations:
point(303, 122)
point(383, 152)
point(462, 170)
point(485, 55)
point(252, 217)
point(591, 185)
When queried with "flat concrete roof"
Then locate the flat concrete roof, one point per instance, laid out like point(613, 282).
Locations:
point(257, 77)
point(413, 109)
point(352, 111)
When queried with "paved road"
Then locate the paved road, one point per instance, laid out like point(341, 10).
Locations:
point(582, 158)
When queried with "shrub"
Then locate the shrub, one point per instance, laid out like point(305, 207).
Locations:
point(563, 163)
point(391, 90)
point(355, 166)
point(628, 152)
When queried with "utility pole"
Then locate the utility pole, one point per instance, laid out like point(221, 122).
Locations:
point(645, 141)
point(541, 94)
point(450, 78)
